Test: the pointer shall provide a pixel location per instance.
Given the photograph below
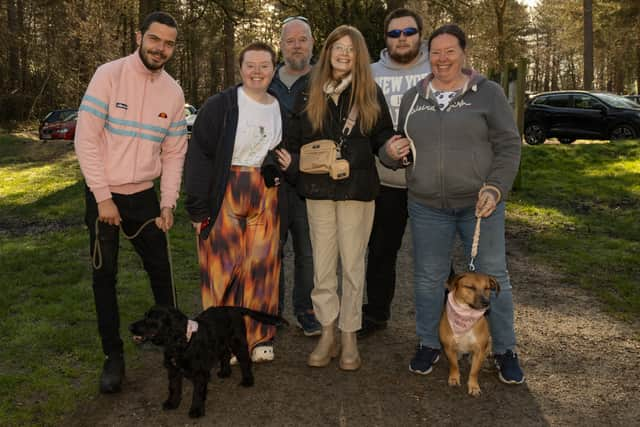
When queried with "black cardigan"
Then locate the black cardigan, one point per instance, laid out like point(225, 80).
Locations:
point(208, 160)
point(363, 183)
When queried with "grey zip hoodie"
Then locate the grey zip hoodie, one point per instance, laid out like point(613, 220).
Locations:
point(473, 142)
point(395, 79)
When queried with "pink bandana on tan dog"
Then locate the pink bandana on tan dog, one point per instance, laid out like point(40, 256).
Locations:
point(461, 317)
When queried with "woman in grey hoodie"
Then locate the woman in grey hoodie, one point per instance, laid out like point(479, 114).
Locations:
point(466, 150)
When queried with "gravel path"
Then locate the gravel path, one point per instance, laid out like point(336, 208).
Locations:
point(581, 367)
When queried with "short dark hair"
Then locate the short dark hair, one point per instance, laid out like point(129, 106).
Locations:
point(451, 29)
point(159, 17)
point(259, 46)
point(401, 13)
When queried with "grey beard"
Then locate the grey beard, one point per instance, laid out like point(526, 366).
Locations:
point(298, 65)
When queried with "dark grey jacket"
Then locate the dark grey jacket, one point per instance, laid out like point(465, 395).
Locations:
point(474, 141)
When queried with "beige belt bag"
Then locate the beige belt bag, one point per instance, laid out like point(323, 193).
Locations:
point(323, 155)
point(317, 157)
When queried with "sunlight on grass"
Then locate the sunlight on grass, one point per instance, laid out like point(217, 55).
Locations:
point(27, 183)
point(539, 218)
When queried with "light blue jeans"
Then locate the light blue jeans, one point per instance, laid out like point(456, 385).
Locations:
point(433, 232)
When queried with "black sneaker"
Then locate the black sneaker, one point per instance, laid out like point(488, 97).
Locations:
point(424, 359)
point(370, 326)
point(509, 370)
point(309, 324)
point(112, 374)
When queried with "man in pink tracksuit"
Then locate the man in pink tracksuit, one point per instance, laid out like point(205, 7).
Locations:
point(131, 130)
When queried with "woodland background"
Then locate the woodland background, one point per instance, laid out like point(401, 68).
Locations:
point(49, 49)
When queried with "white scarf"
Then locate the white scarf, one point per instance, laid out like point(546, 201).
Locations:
point(334, 88)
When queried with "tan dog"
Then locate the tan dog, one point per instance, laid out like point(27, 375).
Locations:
point(463, 326)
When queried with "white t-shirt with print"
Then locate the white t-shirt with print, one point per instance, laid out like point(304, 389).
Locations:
point(259, 130)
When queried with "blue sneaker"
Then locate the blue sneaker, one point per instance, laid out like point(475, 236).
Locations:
point(424, 359)
point(509, 370)
point(309, 324)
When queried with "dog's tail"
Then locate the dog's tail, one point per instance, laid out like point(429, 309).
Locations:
point(262, 317)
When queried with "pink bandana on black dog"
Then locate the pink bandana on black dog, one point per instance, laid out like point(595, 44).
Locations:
point(192, 327)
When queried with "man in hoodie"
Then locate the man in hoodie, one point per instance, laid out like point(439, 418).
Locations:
point(290, 79)
point(403, 63)
point(131, 130)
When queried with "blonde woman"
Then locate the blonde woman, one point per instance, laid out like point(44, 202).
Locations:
point(340, 211)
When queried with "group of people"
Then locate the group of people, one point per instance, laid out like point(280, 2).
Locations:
point(425, 138)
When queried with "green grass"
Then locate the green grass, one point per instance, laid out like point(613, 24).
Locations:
point(580, 205)
point(577, 211)
point(50, 355)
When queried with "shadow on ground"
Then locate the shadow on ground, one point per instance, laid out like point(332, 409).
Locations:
point(577, 360)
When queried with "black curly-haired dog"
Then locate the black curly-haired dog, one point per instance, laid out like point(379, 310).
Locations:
point(193, 347)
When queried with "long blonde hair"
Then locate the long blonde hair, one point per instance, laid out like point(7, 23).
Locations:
point(363, 87)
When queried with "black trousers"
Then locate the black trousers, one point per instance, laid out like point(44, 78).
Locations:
point(389, 223)
point(150, 244)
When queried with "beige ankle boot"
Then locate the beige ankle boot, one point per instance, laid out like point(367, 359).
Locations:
point(349, 358)
point(326, 349)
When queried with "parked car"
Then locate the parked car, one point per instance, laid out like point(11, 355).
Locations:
point(571, 115)
point(634, 98)
point(58, 124)
point(190, 114)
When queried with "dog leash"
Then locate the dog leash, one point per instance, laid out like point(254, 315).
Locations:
point(96, 258)
point(474, 245)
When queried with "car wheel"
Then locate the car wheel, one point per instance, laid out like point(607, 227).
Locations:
point(566, 140)
point(534, 134)
point(622, 132)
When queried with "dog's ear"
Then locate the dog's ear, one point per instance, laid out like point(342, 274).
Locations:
point(494, 285)
point(452, 283)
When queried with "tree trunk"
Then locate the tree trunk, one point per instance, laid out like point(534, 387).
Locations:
point(14, 49)
point(146, 7)
point(395, 4)
point(23, 48)
point(588, 44)
point(229, 57)
point(499, 7)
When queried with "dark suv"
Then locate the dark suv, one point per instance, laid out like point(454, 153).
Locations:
point(571, 115)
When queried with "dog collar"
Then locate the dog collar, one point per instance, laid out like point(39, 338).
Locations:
point(192, 327)
point(461, 318)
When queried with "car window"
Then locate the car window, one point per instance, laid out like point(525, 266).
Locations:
point(585, 101)
point(617, 101)
point(558, 100)
point(540, 100)
point(67, 115)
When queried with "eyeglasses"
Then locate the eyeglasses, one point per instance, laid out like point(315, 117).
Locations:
point(342, 49)
point(293, 18)
point(408, 32)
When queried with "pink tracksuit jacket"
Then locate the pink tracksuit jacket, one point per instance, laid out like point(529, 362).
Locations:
point(131, 130)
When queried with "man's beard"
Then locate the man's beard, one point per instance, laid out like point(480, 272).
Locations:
point(405, 58)
point(150, 65)
point(298, 64)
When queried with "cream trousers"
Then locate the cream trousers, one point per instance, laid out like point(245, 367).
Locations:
point(339, 229)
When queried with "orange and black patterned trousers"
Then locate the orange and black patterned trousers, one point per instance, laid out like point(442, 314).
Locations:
point(240, 260)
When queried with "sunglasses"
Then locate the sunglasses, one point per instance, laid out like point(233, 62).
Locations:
point(408, 32)
point(293, 18)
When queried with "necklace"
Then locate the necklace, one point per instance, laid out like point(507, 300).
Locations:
point(443, 87)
